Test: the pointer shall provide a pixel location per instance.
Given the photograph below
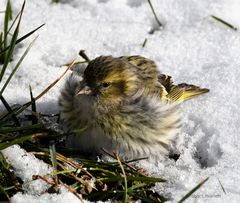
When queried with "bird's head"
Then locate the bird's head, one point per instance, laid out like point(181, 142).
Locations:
point(109, 80)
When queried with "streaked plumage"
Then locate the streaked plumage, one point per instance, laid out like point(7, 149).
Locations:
point(125, 104)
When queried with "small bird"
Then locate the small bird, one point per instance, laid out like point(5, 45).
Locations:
point(123, 104)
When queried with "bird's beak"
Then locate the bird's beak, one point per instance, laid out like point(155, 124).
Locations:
point(85, 90)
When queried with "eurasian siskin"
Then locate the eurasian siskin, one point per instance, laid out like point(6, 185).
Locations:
point(123, 104)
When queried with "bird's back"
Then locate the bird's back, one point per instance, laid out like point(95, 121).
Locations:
point(149, 73)
point(161, 84)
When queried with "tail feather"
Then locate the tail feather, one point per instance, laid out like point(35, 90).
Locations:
point(180, 92)
point(185, 91)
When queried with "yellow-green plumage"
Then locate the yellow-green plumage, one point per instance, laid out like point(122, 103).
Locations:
point(170, 91)
point(125, 104)
point(180, 92)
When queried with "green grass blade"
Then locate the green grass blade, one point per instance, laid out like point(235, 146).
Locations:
point(13, 23)
point(222, 186)
point(125, 195)
point(15, 111)
point(15, 141)
point(53, 158)
point(224, 22)
point(34, 107)
point(154, 13)
point(17, 66)
point(22, 38)
point(193, 190)
point(144, 42)
point(9, 109)
point(17, 129)
point(1, 42)
point(3, 161)
point(7, 18)
point(28, 34)
point(52, 150)
point(7, 116)
point(133, 178)
point(12, 45)
point(2, 190)
point(10, 10)
point(134, 187)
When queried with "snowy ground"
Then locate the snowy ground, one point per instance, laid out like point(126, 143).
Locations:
point(192, 47)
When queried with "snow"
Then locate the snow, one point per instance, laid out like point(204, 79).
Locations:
point(63, 197)
point(25, 166)
point(192, 47)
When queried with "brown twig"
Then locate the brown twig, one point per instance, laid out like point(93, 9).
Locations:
point(72, 191)
point(71, 163)
point(66, 160)
point(55, 82)
point(51, 181)
point(35, 177)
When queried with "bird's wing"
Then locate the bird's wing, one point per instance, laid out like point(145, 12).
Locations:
point(167, 89)
point(180, 92)
point(166, 81)
point(147, 67)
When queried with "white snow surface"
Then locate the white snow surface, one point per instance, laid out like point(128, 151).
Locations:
point(26, 165)
point(192, 47)
point(63, 197)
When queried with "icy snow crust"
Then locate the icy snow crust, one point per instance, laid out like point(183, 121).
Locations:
point(192, 47)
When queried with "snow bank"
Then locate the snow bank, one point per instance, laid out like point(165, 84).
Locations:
point(192, 47)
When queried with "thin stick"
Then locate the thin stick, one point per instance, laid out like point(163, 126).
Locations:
point(155, 15)
point(72, 191)
point(221, 186)
point(55, 82)
point(84, 56)
point(224, 22)
point(49, 181)
point(144, 43)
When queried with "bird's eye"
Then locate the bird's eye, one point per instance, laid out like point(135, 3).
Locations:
point(105, 85)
